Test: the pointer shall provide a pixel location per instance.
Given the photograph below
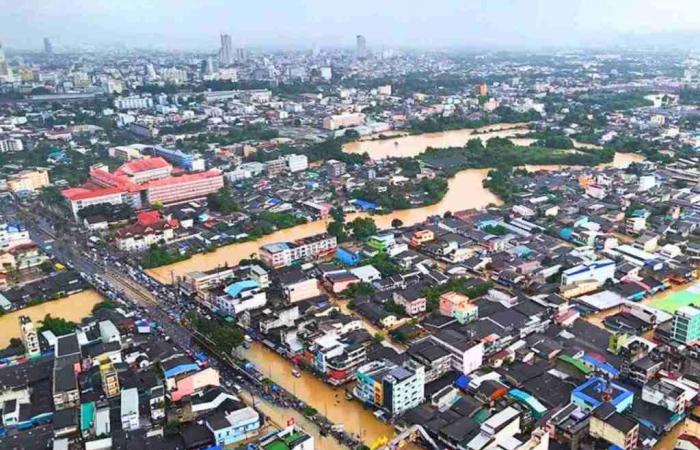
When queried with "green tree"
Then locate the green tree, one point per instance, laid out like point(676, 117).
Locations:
point(363, 227)
point(396, 223)
point(56, 325)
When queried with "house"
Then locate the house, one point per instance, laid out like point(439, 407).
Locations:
point(413, 301)
point(454, 304)
point(230, 427)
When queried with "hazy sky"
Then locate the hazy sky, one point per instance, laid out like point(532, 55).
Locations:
point(191, 24)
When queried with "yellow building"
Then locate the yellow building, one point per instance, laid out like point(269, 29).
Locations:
point(28, 180)
point(611, 426)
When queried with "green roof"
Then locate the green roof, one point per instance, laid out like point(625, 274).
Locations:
point(287, 442)
point(576, 363)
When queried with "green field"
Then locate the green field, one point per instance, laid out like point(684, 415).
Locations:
point(672, 302)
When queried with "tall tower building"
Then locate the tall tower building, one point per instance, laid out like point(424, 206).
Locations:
point(360, 46)
point(30, 338)
point(48, 47)
point(4, 68)
point(240, 54)
point(226, 50)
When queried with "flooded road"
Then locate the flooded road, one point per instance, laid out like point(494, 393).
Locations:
point(74, 308)
point(329, 401)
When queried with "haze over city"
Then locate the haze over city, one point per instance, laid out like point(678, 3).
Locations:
point(190, 25)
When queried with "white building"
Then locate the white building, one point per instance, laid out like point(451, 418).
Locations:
point(11, 145)
point(133, 102)
point(297, 163)
point(130, 409)
point(599, 271)
point(343, 121)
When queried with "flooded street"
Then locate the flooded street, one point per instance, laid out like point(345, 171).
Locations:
point(74, 308)
point(329, 401)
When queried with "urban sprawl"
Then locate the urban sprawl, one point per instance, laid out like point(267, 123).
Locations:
point(357, 248)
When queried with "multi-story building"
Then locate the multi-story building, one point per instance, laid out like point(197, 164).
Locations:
point(335, 168)
point(413, 301)
point(392, 388)
point(11, 145)
point(28, 180)
point(275, 167)
point(667, 394)
point(133, 102)
point(188, 161)
point(297, 163)
point(282, 254)
point(129, 412)
point(12, 235)
point(139, 237)
point(184, 188)
point(143, 182)
point(229, 427)
point(29, 336)
point(454, 304)
point(467, 354)
point(611, 426)
point(346, 120)
point(110, 379)
point(686, 325)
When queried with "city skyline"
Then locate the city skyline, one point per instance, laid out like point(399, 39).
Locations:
point(307, 23)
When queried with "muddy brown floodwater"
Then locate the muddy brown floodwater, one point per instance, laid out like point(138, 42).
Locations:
point(74, 308)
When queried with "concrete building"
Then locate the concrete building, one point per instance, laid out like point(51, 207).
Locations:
point(335, 168)
point(275, 167)
point(110, 380)
point(454, 304)
point(297, 163)
point(600, 271)
point(392, 388)
point(11, 145)
point(282, 254)
point(28, 180)
point(345, 120)
point(133, 102)
point(29, 336)
point(129, 412)
point(686, 325)
point(611, 426)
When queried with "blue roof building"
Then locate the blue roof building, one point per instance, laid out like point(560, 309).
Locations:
point(235, 289)
point(597, 391)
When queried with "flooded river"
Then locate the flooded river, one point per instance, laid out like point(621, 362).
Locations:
point(408, 146)
point(465, 191)
point(74, 308)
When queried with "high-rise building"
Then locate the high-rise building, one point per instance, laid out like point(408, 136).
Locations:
point(30, 339)
point(226, 50)
point(4, 68)
point(48, 47)
point(240, 54)
point(360, 46)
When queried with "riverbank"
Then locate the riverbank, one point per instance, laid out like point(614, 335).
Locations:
point(74, 308)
